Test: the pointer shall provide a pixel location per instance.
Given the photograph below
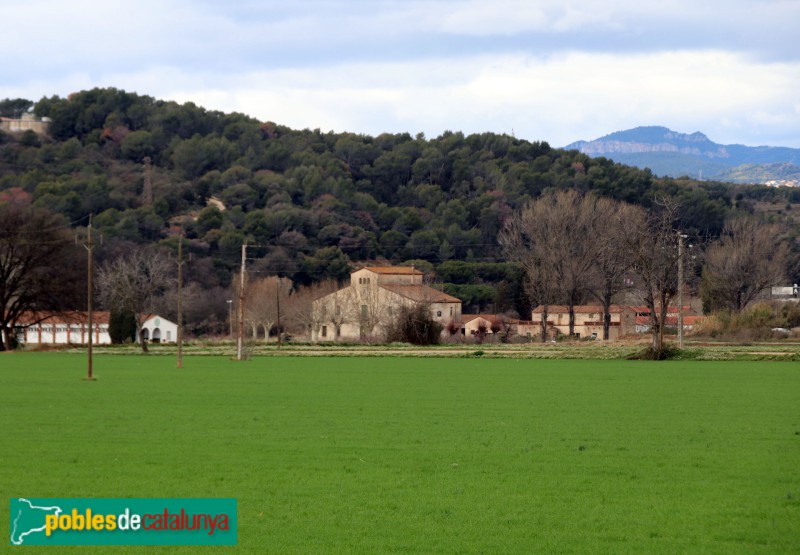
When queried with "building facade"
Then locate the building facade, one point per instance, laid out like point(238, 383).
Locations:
point(158, 330)
point(588, 321)
point(62, 329)
point(370, 303)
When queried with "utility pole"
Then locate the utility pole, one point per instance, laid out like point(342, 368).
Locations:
point(89, 322)
point(239, 352)
point(681, 237)
point(278, 302)
point(180, 304)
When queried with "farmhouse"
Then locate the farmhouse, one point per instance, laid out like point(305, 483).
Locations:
point(36, 328)
point(367, 306)
point(588, 321)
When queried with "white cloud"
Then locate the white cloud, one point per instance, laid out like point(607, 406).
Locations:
point(558, 98)
point(554, 70)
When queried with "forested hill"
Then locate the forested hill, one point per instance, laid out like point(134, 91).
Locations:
point(311, 201)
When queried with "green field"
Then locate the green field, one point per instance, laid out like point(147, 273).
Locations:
point(420, 455)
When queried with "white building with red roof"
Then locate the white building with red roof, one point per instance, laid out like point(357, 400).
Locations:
point(61, 328)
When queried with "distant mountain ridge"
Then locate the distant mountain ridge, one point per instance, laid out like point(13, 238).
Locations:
point(670, 153)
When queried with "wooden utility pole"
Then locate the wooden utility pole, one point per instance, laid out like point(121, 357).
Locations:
point(89, 322)
point(239, 345)
point(180, 307)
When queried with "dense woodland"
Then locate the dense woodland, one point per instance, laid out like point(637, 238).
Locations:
point(310, 204)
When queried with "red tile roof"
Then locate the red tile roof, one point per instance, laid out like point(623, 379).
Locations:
point(466, 318)
point(671, 320)
point(67, 317)
point(670, 309)
point(579, 309)
point(420, 293)
point(396, 270)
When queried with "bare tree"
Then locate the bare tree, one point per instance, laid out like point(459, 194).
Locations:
point(41, 268)
point(373, 310)
point(524, 239)
point(577, 234)
point(134, 282)
point(263, 297)
point(205, 309)
point(612, 262)
point(300, 306)
point(555, 240)
point(748, 257)
point(653, 249)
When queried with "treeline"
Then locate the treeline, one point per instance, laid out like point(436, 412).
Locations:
point(311, 202)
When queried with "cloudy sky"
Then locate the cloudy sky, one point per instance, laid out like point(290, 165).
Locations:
point(553, 70)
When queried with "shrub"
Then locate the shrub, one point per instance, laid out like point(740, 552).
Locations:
point(122, 326)
point(666, 352)
point(415, 325)
point(791, 311)
point(757, 316)
point(754, 323)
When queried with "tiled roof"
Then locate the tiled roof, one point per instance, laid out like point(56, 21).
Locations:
point(397, 270)
point(670, 309)
point(552, 323)
point(671, 320)
point(579, 309)
point(67, 317)
point(466, 318)
point(420, 293)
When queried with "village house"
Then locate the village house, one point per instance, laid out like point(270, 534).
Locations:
point(690, 318)
point(473, 325)
point(588, 321)
point(61, 328)
point(367, 306)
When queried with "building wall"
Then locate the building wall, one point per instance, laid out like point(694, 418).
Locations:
point(26, 123)
point(444, 313)
point(344, 307)
point(471, 328)
point(62, 334)
point(361, 304)
point(359, 276)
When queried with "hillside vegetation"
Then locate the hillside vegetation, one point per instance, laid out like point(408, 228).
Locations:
point(308, 202)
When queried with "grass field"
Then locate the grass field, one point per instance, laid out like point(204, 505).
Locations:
point(385, 455)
